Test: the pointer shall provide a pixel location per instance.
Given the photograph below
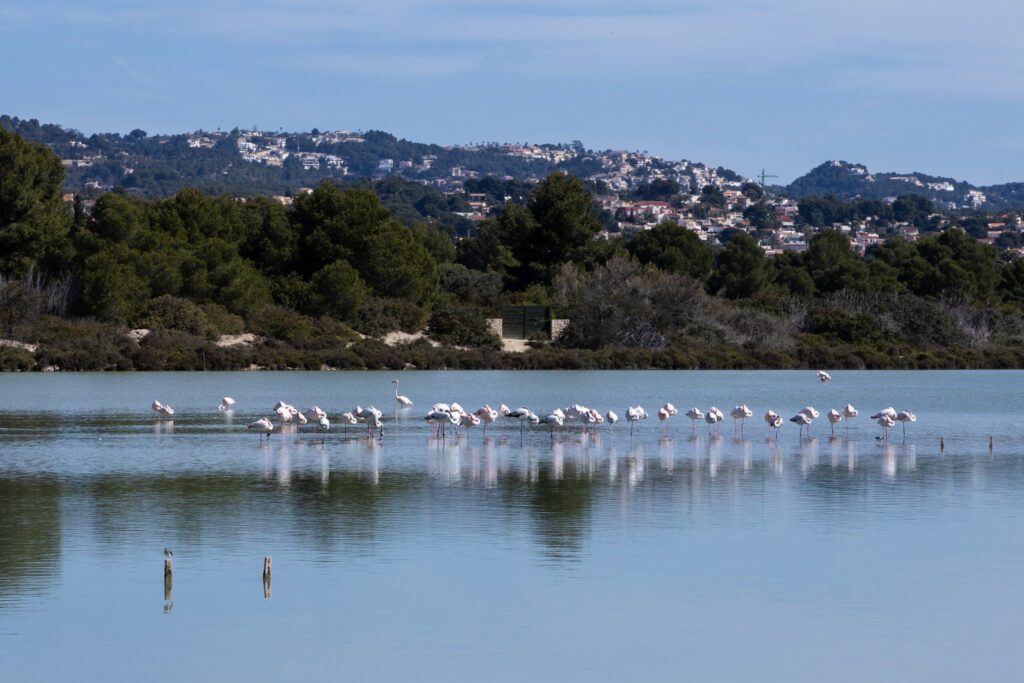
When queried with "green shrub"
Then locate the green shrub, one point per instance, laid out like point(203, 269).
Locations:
point(378, 316)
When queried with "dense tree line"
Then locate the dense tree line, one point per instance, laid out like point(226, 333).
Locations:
point(308, 278)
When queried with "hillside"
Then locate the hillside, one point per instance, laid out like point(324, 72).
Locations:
point(247, 163)
point(850, 181)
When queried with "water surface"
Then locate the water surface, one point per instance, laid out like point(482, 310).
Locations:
point(669, 554)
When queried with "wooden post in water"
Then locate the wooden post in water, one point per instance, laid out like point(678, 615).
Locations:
point(942, 443)
point(266, 577)
point(990, 444)
point(168, 578)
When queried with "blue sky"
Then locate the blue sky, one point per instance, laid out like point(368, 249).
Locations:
point(903, 85)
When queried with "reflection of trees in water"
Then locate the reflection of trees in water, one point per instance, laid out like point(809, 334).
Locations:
point(560, 506)
point(132, 508)
point(324, 510)
point(30, 534)
point(343, 504)
point(350, 505)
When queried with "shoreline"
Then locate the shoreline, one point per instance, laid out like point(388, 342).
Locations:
point(376, 356)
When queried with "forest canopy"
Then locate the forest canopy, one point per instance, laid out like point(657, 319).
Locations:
point(310, 281)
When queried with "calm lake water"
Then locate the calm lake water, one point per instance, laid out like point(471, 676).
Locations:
point(572, 557)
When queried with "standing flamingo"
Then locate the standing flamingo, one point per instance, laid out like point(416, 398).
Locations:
point(834, 417)
point(811, 415)
point(466, 420)
point(713, 417)
point(801, 419)
point(227, 403)
point(694, 414)
point(633, 415)
point(521, 414)
point(666, 411)
point(348, 419)
point(849, 412)
point(887, 422)
point(555, 420)
point(741, 413)
point(403, 401)
point(441, 418)
point(612, 417)
point(372, 417)
point(325, 426)
point(774, 421)
point(903, 417)
point(487, 414)
point(263, 426)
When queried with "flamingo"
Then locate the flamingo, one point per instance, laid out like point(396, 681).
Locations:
point(520, 414)
point(227, 403)
point(440, 418)
point(555, 420)
point(834, 417)
point(612, 417)
point(374, 421)
point(713, 417)
point(824, 376)
point(315, 413)
point(371, 416)
point(487, 414)
point(263, 426)
point(811, 415)
point(903, 417)
point(741, 413)
point(403, 401)
point(467, 420)
point(161, 409)
point(324, 424)
point(694, 414)
point(887, 422)
point(774, 421)
point(886, 418)
point(667, 411)
point(801, 419)
point(635, 414)
point(848, 412)
point(283, 413)
point(348, 419)
point(573, 412)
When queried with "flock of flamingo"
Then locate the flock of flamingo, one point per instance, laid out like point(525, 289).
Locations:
point(452, 415)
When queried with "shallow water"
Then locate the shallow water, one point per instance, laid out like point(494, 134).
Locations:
point(667, 554)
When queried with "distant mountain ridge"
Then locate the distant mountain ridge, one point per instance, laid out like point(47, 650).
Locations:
point(247, 163)
point(849, 181)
